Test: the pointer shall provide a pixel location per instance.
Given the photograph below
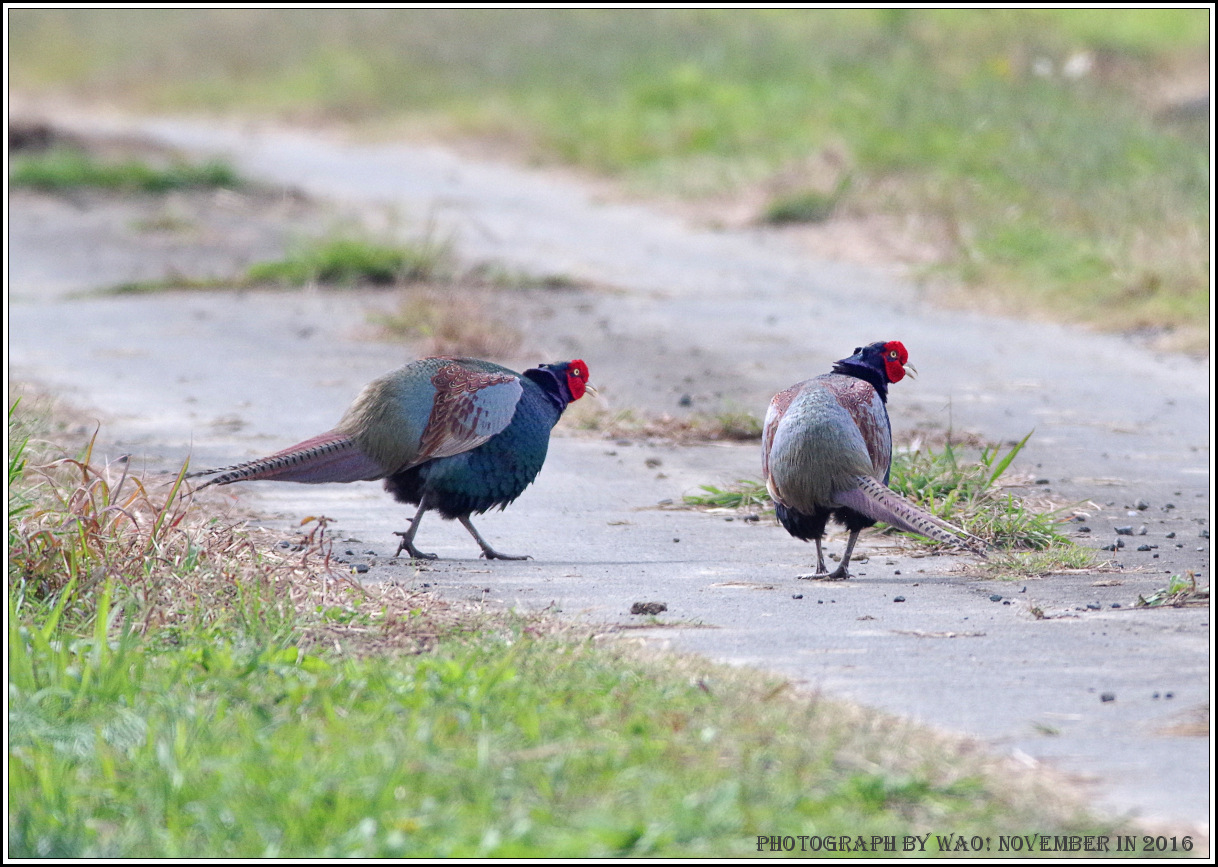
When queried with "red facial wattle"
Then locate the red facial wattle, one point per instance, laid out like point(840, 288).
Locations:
point(895, 359)
point(577, 379)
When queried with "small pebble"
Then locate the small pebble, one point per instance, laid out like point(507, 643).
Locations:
point(349, 552)
point(996, 598)
point(648, 608)
point(1084, 529)
point(1171, 535)
point(667, 501)
point(798, 596)
point(1108, 696)
point(752, 519)
point(1204, 534)
point(1142, 530)
point(1143, 547)
point(685, 400)
point(676, 540)
point(898, 599)
point(1141, 505)
point(360, 568)
point(1124, 531)
point(1169, 695)
point(1093, 606)
point(1156, 695)
point(1118, 604)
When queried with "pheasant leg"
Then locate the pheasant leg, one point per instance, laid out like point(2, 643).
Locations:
point(407, 543)
point(838, 574)
point(487, 551)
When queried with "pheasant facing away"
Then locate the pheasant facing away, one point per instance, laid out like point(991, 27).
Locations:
point(457, 435)
point(826, 451)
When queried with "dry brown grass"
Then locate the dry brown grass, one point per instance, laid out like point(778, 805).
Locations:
point(77, 526)
point(450, 320)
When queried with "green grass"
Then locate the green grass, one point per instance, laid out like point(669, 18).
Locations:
point(350, 261)
point(61, 169)
point(743, 494)
point(967, 493)
point(1030, 145)
point(177, 691)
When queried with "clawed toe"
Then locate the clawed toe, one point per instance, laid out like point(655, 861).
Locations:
point(408, 546)
point(492, 554)
point(836, 575)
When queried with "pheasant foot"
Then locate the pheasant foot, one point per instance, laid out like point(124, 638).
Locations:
point(838, 574)
point(407, 545)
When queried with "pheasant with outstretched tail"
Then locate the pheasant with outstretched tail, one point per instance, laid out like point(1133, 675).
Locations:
point(457, 435)
point(826, 450)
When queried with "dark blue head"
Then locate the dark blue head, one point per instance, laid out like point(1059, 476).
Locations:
point(877, 363)
point(566, 380)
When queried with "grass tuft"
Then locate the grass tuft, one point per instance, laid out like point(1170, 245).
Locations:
point(351, 261)
point(806, 206)
point(62, 168)
point(1055, 558)
point(743, 494)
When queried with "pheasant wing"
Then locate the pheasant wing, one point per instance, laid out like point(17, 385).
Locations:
point(469, 408)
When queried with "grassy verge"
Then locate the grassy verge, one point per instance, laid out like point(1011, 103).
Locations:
point(1049, 156)
point(177, 691)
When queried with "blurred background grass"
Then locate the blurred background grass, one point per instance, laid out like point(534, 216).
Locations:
point(1056, 160)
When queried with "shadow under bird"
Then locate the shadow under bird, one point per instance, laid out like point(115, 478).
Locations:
point(454, 435)
point(826, 451)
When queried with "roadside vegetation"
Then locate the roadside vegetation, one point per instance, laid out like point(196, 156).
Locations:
point(1054, 160)
point(180, 688)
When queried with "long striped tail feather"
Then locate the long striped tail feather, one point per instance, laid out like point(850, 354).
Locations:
point(878, 501)
point(328, 457)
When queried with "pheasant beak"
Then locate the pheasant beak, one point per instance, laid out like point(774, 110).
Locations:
point(590, 389)
point(911, 371)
